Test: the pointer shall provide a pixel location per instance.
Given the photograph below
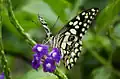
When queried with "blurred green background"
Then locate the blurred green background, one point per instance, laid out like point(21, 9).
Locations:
point(102, 38)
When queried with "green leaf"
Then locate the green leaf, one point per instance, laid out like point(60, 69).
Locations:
point(33, 74)
point(107, 15)
point(39, 6)
point(60, 7)
point(101, 73)
point(92, 40)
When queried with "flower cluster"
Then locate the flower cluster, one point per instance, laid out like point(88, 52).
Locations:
point(2, 76)
point(47, 60)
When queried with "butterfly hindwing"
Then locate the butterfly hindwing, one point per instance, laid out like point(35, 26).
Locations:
point(69, 39)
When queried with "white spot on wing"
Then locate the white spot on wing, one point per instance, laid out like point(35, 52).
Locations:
point(77, 27)
point(68, 67)
point(78, 54)
point(72, 54)
point(86, 16)
point(67, 62)
point(76, 38)
point(67, 52)
point(65, 38)
point(81, 42)
point(76, 50)
point(93, 10)
point(97, 10)
point(67, 33)
point(71, 60)
point(78, 18)
point(75, 23)
point(80, 34)
point(85, 24)
point(83, 29)
point(69, 43)
point(73, 31)
point(64, 52)
point(63, 45)
point(83, 13)
point(70, 23)
point(75, 59)
point(88, 26)
point(93, 13)
point(91, 17)
point(76, 44)
point(80, 23)
point(72, 65)
point(88, 21)
point(89, 13)
point(80, 47)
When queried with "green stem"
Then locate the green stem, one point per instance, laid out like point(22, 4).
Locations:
point(15, 22)
point(26, 36)
point(61, 76)
point(100, 59)
point(4, 64)
point(104, 62)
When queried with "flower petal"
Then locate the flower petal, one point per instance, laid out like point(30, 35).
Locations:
point(40, 49)
point(49, 65)
point(2, 76)
point(36, 62)
point(55, 54)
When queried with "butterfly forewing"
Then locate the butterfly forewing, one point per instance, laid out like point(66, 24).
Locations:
point(69, 39)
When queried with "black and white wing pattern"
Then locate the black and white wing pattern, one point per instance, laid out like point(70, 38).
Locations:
point(69, 39)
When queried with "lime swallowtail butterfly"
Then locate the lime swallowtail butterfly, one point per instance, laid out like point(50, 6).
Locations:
point(69, 38)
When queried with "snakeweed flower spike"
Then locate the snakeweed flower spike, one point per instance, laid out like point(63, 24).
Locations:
point(48, 60)
point(2, 76)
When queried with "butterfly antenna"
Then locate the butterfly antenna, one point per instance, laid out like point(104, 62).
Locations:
point(45, 26)
point(55, 22)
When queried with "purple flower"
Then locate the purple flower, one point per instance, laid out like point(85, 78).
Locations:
point(2, 76)
point(55, 54)
point(36, 61)
point(41, 56)
point(40, 49)
point(49, 65)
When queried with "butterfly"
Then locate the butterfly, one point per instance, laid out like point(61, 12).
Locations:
point(69, 38)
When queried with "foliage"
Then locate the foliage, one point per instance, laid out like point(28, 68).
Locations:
point(101, 44)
